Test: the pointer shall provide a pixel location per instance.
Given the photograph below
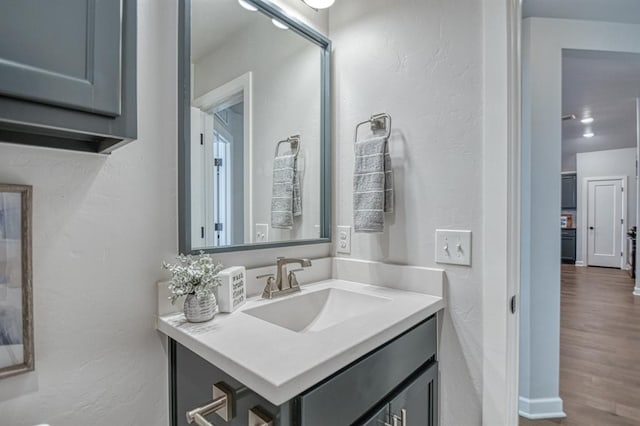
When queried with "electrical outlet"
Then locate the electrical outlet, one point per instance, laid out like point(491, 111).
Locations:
point(344, 240)
point(262, 233)
point(453, 247)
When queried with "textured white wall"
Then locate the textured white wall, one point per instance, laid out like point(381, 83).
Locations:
point(422, 63)
point(102, 225)
point(614, 162)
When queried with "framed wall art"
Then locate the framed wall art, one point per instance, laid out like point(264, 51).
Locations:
point(16, 311)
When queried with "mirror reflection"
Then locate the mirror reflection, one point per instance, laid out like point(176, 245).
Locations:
point(256, 128)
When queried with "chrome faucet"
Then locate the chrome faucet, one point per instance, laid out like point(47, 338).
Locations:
point(284, 282)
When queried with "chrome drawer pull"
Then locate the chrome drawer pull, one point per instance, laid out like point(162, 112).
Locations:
point(221, 405)
point(400, 420)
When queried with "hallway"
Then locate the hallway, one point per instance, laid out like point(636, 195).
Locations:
point(599, 349)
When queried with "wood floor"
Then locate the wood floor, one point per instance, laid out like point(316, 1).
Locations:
point(599, 349)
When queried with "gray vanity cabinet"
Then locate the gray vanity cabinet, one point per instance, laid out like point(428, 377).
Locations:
point(398, 377)
point(417, 404)
point(380, 418)
point(68, 73)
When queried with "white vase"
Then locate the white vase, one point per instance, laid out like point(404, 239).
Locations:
point(200, 309)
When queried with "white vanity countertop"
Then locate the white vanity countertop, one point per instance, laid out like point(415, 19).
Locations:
point(278, 363)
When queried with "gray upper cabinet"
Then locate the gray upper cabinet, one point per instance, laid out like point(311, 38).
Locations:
point(569, 191)
point(68, 73)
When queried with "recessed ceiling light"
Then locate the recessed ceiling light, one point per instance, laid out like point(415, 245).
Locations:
point(279, 24)
point(247, 5)
point(587, 120)
point(319, 4)
point(589, 134)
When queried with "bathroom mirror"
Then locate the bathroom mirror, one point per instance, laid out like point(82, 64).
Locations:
point(254, 126)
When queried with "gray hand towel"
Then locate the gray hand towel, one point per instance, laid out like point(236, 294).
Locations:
point(372, 184)
point(286, 201)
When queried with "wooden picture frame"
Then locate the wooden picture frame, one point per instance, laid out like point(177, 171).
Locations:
point(16, 289)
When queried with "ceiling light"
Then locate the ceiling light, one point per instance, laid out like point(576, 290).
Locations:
point(589, 134)
point(587, 120)
point(279, 24)
point(247, 5)
point(319, 4)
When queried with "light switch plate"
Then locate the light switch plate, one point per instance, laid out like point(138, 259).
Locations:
point(453, 247)
point(344, 240)
point(262, 233)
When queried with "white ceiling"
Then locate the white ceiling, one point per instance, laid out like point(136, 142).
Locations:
point(624, 11)
point(603, 85)
point(212, 21)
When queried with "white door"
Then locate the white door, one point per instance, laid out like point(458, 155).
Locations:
point(604, 222)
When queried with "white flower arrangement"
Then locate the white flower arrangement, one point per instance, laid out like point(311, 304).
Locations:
point(196, 275)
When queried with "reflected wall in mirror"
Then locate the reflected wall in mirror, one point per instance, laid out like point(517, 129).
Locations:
point(256, 135)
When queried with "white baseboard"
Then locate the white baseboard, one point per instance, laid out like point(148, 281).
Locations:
point(541, 408)
point(580, 263)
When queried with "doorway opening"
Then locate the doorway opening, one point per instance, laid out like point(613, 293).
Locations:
point(221, 210)
point(580, 130)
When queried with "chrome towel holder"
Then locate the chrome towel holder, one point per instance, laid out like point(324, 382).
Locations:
point(380, 121)
point(294, 141)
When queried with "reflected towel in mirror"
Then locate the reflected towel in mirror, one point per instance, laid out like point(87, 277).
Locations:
point(286, 200)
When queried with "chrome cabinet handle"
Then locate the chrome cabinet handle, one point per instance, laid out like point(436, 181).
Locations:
point(400, 420)
point(221, 405)
point(200, 421)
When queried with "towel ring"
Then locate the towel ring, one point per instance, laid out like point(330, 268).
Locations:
point(294, 141)
point(380, 121)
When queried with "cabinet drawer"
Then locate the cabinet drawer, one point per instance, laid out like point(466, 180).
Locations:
point(345, 397)
point(568, 233)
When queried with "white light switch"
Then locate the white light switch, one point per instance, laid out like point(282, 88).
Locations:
point(262, 233)
point(453, 247)
point(344, 240)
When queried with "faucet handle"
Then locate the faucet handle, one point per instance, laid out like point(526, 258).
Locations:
point(293, 280)
point(265, 276)
point(270, 288)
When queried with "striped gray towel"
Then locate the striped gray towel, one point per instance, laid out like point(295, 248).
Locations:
point(372, 184)
point(286, 201)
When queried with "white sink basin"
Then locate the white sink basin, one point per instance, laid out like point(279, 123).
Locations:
point(318, 310)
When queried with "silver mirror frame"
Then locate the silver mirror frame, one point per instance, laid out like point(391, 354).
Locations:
point(184, 129)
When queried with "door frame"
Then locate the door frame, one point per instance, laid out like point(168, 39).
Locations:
point(244, 84)
point(501, 210)
point(503, 33)
point(584, 206)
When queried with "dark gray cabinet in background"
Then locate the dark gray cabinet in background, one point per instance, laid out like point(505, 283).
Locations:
point(569, 193)
point(568, 246)
point(68, 73)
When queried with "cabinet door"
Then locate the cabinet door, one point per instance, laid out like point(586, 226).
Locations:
point(64, 53)
point(68, 73)
point(569, 249)
point(417, 404)
point(569, 199)
point(381, 418)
